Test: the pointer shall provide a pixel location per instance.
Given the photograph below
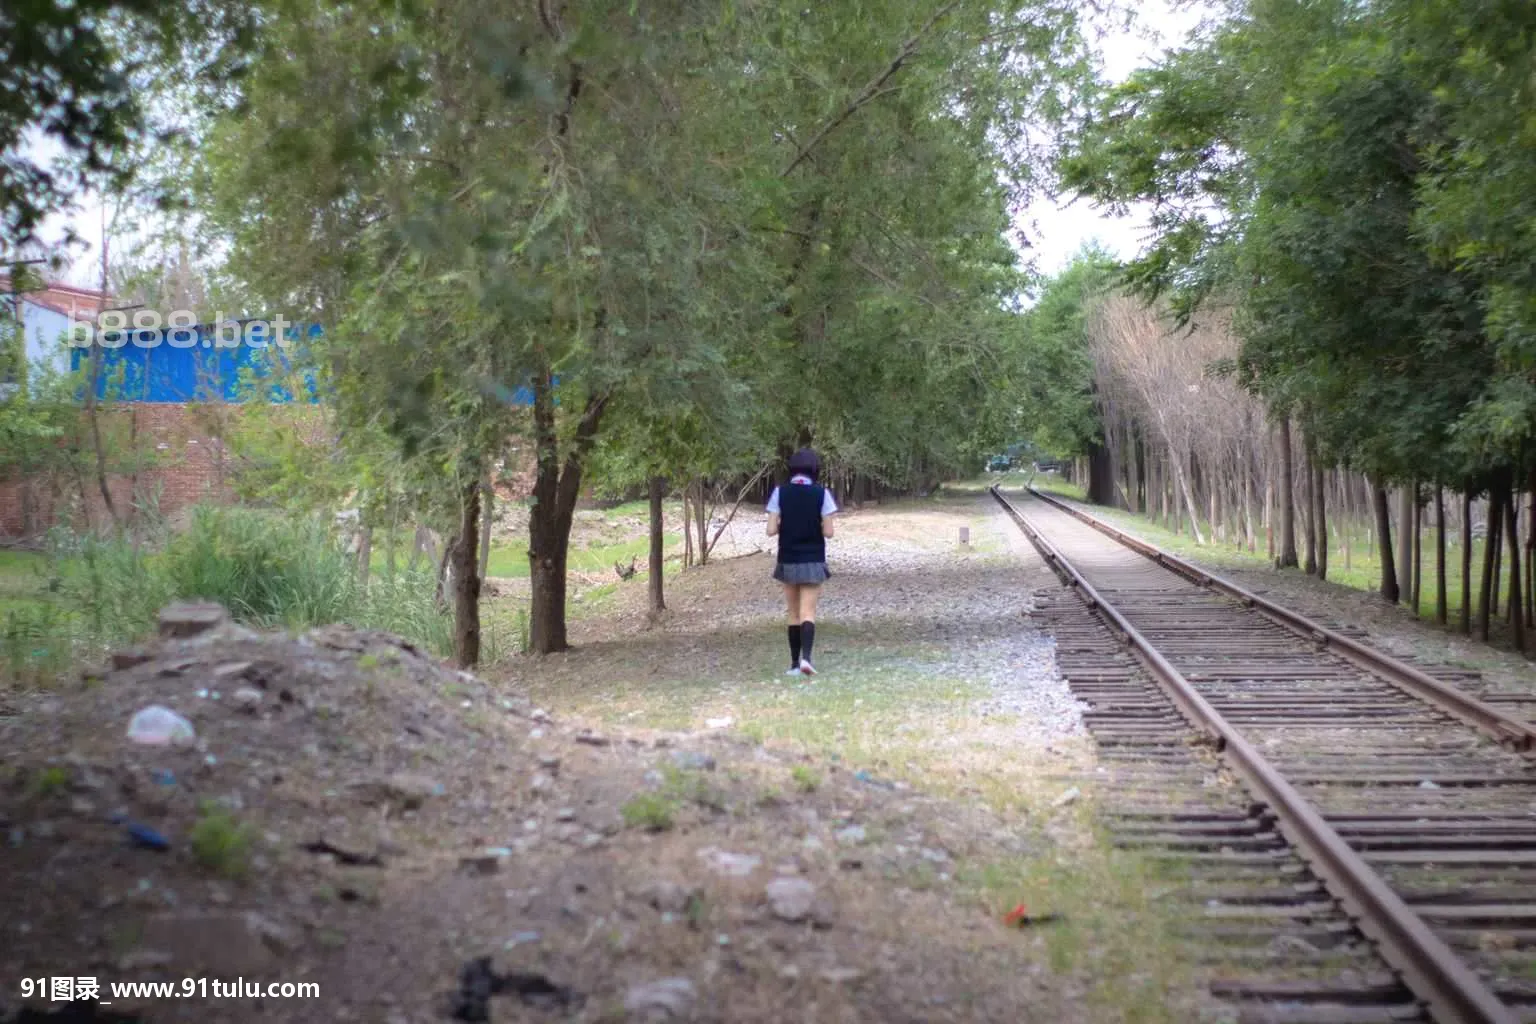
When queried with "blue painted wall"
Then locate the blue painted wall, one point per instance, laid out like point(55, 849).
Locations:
point(188, 365)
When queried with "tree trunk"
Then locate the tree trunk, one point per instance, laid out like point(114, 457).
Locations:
point(1490, 564)
point(1512, 533)
point(555, 491)
point(1320, 516)
point(1311, 498)
point(466, 578)
point(1389, 588)
point(1530, 551)
point(687, 530)
point(443, 567)
point(1440, 596)
point(701, 520)
point(390, 539)
point(1405, 505)
point(1247, 471)
point(1269, 515)
point(1466, 563)
point(1189, 498)
point(1133, 468)
point(364, 555)
point(658, 540)
point(1101, 475)
point(1418, 548)
point(1287, 559)
point(487, 509)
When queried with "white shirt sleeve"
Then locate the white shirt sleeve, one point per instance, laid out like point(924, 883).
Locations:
point(773, 502)
point(828, 505)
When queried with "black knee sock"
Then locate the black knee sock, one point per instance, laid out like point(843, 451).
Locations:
point(794, 646)
point(807, 639)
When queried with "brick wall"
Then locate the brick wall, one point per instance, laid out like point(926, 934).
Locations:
point(184, 464)
point(180, 464)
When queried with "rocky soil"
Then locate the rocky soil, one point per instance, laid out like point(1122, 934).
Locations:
point(428, 845)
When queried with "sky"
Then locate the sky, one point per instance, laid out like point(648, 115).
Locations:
point(1057, 229)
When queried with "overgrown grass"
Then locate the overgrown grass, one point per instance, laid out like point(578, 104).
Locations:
point(269, 570)
point(511, 561)
point(1360, 569)
point(1111, 928)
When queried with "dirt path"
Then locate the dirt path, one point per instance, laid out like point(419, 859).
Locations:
point(657, 825)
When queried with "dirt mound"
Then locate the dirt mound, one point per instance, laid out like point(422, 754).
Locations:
point(355, 814)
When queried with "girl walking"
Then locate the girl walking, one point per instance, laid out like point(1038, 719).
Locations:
point(800, 515)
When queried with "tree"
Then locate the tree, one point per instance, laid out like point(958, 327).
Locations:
point(69, 74)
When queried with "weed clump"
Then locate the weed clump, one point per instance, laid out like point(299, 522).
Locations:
point(221, 842)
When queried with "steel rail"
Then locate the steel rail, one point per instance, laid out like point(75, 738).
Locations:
point(1429, 968)
point(1511, 733)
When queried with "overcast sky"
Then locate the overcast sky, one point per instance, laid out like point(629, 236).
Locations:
point(1060, 229)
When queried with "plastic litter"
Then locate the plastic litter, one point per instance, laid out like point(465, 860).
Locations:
point(1020, 917)
point(143, 835)
point(164, 777)
point(158, 726)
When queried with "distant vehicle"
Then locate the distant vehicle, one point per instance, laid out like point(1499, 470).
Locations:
point(999, 464)
point(1048, 465)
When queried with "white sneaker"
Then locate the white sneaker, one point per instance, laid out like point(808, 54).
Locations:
point(806, 669)
point(794, 671)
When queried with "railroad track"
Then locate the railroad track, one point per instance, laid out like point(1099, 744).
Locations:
point(1360, 836)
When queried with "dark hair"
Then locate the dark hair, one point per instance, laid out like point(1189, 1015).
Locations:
point(805, 461)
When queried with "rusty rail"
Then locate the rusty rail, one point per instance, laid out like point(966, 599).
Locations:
point(1428, 966)
point(1509, 732)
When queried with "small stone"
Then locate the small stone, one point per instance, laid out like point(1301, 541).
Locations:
point(591, 840)
point(840, 975)
point(592, 739)
point(539, 715)
point(247, 698)
point(851, 835)
point(521, 939)
point(535, 734)
point(669, 897)
point(1070, 796)
point(142, 959)
point(540, 783)
point(789, 972)
point(1293, 945)
point(549, 763)
point(566, 814)
point(794, 899)
point(692, 761)
point(735, 865)
point(132, 656)
point(719, 723)
point(667, 999)
point(191, 618)
point(486, 862)
point(231, 670)
point(1428, 784)
point(81, 806)
point(403, 788)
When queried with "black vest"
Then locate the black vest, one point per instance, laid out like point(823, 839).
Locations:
point(800, 538)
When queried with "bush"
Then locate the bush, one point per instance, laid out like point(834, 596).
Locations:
point(269, 569)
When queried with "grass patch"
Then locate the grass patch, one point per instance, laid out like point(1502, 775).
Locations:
point(1114, 932)
point(49, 782)
point(654, 812)
point(511, 560)
point(806, 778)
point(221, 842)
